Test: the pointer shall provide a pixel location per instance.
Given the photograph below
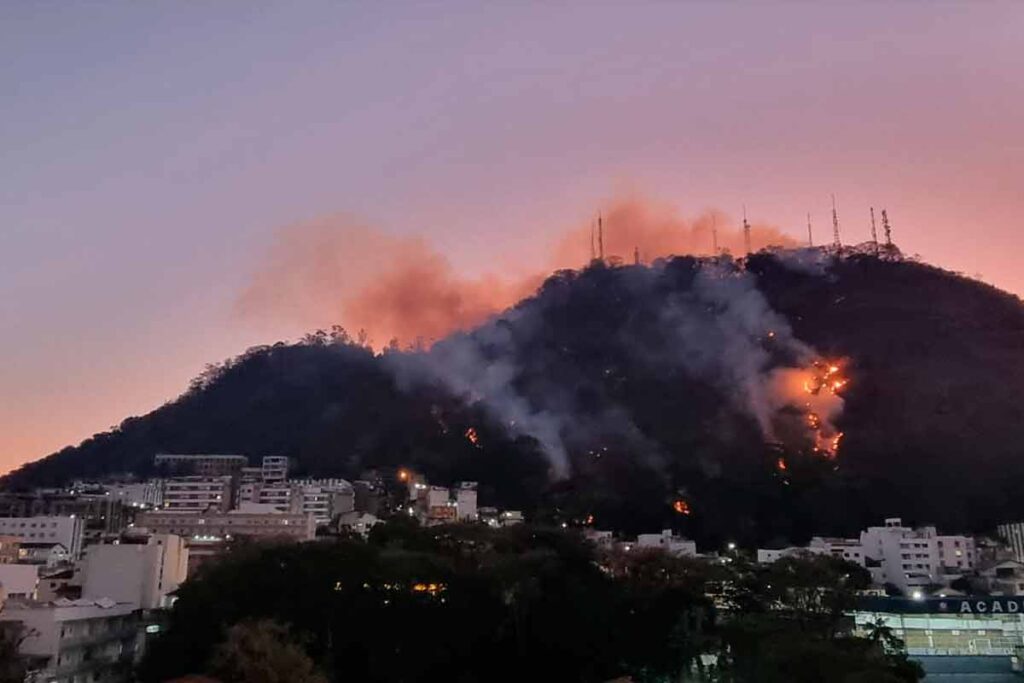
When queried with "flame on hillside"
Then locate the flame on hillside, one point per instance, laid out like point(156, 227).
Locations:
point(815, 392)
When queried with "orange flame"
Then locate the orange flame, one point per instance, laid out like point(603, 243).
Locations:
point(473, 437)
point(681, 506)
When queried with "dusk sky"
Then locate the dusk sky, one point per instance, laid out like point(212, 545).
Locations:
point(153, 155)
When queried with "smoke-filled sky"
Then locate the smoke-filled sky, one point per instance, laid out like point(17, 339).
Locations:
point(180, 181)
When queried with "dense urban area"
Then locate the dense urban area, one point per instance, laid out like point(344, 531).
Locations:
point(222, 566)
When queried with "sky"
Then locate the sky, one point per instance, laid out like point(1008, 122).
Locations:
point(154, 157)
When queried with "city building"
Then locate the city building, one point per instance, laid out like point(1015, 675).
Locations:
point(465, 501)
point(33, 532)
point(72, 641)
point(322, 498)
point(143, 574)
point(275, 469)
point(198, 494)
point(1013, 534)
point(19, 581)
point(200, 465)
point(100, 512)
point(227, 525)
point(669, 542)
point(9, 549)
point(913, 558)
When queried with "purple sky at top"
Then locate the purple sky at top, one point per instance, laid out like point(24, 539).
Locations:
point(150, 151)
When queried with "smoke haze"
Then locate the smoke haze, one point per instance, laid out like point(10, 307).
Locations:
point(337, 270)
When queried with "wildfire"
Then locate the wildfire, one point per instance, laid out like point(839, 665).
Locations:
point(473, 437)
point(681, 506)
point(781, 464)
point(403, 475)
point(826, 378)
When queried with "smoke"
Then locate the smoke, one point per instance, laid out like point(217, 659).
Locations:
point(720, 330)
point(337, 270)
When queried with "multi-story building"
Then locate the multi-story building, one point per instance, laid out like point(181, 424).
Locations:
point(1013, 534)
point(19, 581)
point(669, 542)
point(144, 574)
point(465, 501)
point(325, 499)
point(49, 531)
point(228, 525)
point(202, 465)
point(275, 469)
point(911, 558)
point(101, 513)
point(198, 494)
point(71, 641)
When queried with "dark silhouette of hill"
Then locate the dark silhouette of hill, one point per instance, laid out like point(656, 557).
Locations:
point(615, 392)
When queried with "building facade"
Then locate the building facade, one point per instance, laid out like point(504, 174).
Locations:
point(143, 574)
point(65, 531)
point(198, 494)
point(228, 525)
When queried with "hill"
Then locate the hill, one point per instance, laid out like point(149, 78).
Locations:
point(642, 396)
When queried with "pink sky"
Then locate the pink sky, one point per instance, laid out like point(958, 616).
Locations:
point(152, 152)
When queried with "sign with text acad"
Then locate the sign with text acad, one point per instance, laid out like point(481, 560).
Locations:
point(953, 605)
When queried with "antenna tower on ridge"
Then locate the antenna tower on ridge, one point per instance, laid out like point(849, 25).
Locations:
point(874, 232)
point(714, 234)
point(746, 230)
point(593, 253)
point(835, 226)
point(810, 237)
point(600, 237)
point(887, 228)
point(636, 256)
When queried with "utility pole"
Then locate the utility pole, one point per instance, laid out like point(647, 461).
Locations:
point(835, 227)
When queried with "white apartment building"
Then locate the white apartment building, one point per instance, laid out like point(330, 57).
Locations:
point(322, 498)
point(1013, 534)
point(465, 501)
point(48, 531)
point(143, 574)
point(669, 542)
point(19, 581)
point(275, 469)
point(77, 640)
point(216, 526)
point(911, 558)
point(197, 494)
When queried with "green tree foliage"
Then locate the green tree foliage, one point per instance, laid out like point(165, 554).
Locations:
point(262, 652)
point(469, 603)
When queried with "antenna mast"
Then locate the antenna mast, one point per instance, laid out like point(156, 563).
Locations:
point(874, 232)
point(887, 228)
point(600, 237)
point(810, 238)
point(746, 230)
point(636, 256)
point(714, 234)
point(593, 254)
point(835, 226)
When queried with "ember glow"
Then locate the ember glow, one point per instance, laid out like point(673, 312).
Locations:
point(681, 506)
point(826, 379)
point(473, 437)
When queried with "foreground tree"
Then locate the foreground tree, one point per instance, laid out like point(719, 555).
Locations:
point(263, 652)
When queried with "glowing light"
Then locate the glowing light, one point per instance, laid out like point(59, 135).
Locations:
point(473, 437)
point(681, 506)
point(403, 475)
point(781, 464)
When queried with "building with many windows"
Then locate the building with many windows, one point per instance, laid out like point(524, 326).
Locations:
point(227, 525)
point(48, 531)
point(198, 494)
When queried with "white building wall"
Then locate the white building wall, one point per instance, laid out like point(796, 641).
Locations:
point(143, 575)
point(64, 530)
point(20, 580)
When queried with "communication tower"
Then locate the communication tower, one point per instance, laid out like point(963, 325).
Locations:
point(746, 230)
point(835, 227)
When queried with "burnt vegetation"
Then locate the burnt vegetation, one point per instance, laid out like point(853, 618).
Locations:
point(933, 421)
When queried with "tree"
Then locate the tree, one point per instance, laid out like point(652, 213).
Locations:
point(263, 651)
